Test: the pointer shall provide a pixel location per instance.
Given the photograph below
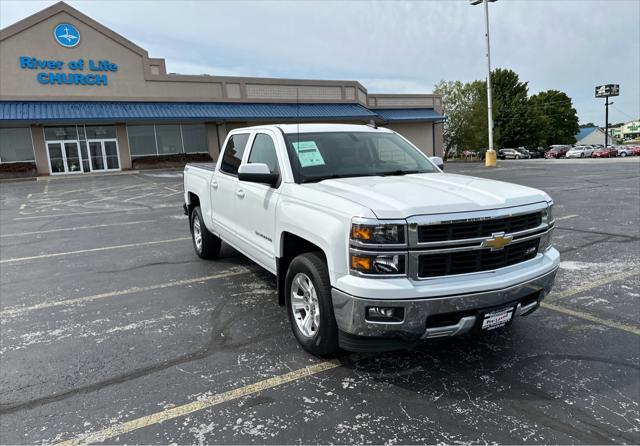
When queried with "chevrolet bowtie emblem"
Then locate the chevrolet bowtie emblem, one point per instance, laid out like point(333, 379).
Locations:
point(497, 241)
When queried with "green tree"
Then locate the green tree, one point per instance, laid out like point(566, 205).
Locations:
point(510, 110)
point(464, 128)
point(552, 118)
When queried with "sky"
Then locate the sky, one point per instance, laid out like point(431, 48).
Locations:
point(389, 46)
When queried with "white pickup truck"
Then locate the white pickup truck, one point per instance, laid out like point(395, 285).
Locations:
point(373, 246)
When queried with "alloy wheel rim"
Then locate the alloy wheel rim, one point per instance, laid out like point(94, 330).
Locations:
point(304, 305)
point(197, 233)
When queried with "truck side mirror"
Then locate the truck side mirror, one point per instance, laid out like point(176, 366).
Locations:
point(258, 173)
point(437, 161)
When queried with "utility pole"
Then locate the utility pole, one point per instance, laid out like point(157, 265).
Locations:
point(605, 91)
point(606, 122)
point(490, 156)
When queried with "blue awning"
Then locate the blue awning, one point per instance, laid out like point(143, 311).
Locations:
point(40, 111)
point(409, 114)
point(81, 111)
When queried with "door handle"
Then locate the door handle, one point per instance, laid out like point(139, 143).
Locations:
point(214, 184)
point(240, 193)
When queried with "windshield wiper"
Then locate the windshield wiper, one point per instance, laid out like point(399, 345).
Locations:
point(337, 175)
point(398, 172)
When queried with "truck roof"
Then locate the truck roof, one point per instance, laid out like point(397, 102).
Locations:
point(316, 127)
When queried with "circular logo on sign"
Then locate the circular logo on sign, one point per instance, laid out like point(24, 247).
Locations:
point(66, 35)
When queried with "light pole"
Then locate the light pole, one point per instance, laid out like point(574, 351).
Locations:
point(490, 156)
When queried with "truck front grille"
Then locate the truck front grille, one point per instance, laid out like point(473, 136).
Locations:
point(462, 262)
point(473, 229)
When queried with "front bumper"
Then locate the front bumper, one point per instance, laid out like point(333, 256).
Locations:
point(432, 317)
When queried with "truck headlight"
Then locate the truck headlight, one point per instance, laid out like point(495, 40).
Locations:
point(546, 241)
point(378, 233)
point(378, 263)
point(547, 214)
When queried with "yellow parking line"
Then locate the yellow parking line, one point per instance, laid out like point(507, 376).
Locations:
point(592, 318)
point(605, 280)
point(17, 310)
point(194, 406)
point(82, 251)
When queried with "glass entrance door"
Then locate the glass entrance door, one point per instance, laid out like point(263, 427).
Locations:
point(64, 157)
point(103, 154)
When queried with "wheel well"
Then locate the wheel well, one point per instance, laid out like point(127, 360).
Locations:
point(292, 246)
point(194, 201)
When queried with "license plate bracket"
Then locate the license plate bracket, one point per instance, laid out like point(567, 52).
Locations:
point(497, 318)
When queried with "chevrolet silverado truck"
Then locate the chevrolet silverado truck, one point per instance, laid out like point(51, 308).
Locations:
point(374, 247)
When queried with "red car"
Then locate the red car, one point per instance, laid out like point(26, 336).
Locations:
point(636, 150)
point(556, 152)
point(608, 152)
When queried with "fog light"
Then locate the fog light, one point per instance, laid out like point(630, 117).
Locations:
point(385, 314)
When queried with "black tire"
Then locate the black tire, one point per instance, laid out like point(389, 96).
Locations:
point(209, 246)
point(324, 341)
point(623, 154)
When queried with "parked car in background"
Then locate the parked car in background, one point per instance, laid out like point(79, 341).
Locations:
point(525, 153)
point(608, 152)
point(509, 154)
point(536, 152)
point(580, 152)
point(624, 151)
point(636, 150)
point(556, 151)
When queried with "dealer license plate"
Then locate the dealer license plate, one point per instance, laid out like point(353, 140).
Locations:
point(496, 319)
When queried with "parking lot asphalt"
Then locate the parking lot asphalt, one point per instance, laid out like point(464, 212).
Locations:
point(113, 331)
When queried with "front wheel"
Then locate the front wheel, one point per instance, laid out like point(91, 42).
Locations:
point(206, 245)
point(623, 154)
point(309, 304)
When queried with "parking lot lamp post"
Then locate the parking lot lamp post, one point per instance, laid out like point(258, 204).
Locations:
point(490, 156)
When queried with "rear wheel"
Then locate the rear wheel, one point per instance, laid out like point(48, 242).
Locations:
point(623, 154)
point(309, 304)
point(206, 245)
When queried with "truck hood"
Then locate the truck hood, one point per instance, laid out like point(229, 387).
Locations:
point(433, 193)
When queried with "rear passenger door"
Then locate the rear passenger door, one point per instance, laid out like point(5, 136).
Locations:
point(224, 185)
point(256, 204)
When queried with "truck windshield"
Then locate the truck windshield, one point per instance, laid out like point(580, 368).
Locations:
point(321, 156)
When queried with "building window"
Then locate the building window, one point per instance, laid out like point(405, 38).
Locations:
point(194, 137)
point(61, 133)
point(16, 145)
point(142, 140)
point(169, 139)
point(100, 131)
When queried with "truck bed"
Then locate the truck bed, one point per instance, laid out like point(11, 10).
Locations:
point(205, 166)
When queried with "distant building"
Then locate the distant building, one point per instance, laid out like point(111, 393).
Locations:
point(630, 132)
point(591, 135)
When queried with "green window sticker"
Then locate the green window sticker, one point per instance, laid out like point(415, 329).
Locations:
point(308, 153)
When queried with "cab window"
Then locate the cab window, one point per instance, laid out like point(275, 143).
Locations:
point(233, 152)
point(263, 150)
